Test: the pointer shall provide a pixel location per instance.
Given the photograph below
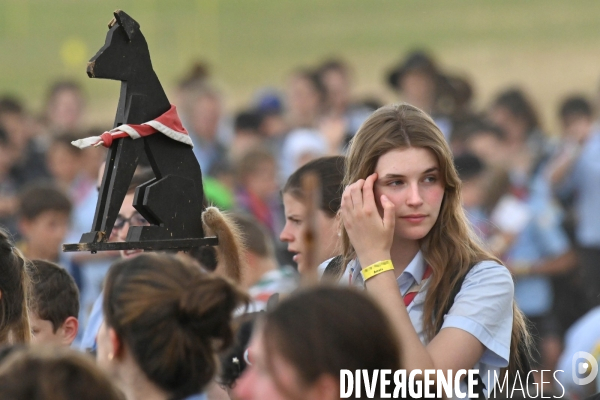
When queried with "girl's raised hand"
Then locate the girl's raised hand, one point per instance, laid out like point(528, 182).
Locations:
point(370, 234)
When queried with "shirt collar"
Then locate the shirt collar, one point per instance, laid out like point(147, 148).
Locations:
point(416, 268)
point(413, 273)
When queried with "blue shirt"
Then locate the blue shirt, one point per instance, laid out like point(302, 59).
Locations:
point(543, 237)
point(584, 335)
point(584, 181)
point(483, 307)
point(88, 342)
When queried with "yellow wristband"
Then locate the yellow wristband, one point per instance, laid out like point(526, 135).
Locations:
point(376, 269)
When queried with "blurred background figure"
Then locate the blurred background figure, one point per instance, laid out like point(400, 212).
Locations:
point(65, 108)
point(418, 81)
point(516, 116)
point(44, 219)
point(25, 152)
point(472, 174)
point(306, 98)
point(202, 116)
point(257, 189)
point(300, 147)
point(263, 276)
point(574, 174)
point(247, 134)
point(8, 186)
point(336, 77)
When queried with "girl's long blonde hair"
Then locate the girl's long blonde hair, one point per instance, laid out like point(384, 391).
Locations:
point(450, 248)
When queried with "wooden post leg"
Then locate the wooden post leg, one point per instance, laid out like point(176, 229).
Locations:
point(121, 161)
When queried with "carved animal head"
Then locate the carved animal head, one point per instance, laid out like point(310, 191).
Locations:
point(124, 52)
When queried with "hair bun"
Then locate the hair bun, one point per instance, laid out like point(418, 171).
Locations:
point(205, 307)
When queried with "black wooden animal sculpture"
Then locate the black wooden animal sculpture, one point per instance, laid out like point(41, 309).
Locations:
point(172, 202)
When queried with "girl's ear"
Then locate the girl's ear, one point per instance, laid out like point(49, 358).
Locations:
point(115, 342)
point(69, 330)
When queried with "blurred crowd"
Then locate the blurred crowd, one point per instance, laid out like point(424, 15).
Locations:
point(531, 195)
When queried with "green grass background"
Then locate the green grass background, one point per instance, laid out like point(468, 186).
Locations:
point(550, 47)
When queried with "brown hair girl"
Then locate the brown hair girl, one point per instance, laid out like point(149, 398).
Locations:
point(297, 352)
point(330, 171)
point(402, 201)
point(14, 282)
point(164, 320)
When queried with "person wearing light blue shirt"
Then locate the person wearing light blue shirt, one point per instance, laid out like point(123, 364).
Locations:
point(575, 173)
point(88, 341)
point(583, 336)
point(410, 245)
point(542, 240)
point(481, 308)
point(583, 182)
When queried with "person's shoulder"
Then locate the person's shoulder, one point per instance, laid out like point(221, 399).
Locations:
point(323, 266)
point(489, 266)
point(490, 272)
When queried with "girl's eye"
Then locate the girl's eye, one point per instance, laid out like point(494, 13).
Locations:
point(295, 221)
point(395, 183)
point(430, 179)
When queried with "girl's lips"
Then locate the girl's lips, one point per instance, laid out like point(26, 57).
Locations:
point(296, 256)
point(414, 219)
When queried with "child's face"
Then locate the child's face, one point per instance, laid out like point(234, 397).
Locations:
point(488, 148)
point(127, 217)
point(43, 331)
point(46, 233)
point(577, 127)
point(418, 88)
point(263, 181)
point(64, 164)
point(472, 192)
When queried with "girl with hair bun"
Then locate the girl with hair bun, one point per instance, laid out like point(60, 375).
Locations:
point(405, 238)
point(14, 282)
point(164, 321)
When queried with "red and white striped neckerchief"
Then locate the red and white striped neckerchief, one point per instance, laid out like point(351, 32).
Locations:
point(416, 287)
point(168, 124)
